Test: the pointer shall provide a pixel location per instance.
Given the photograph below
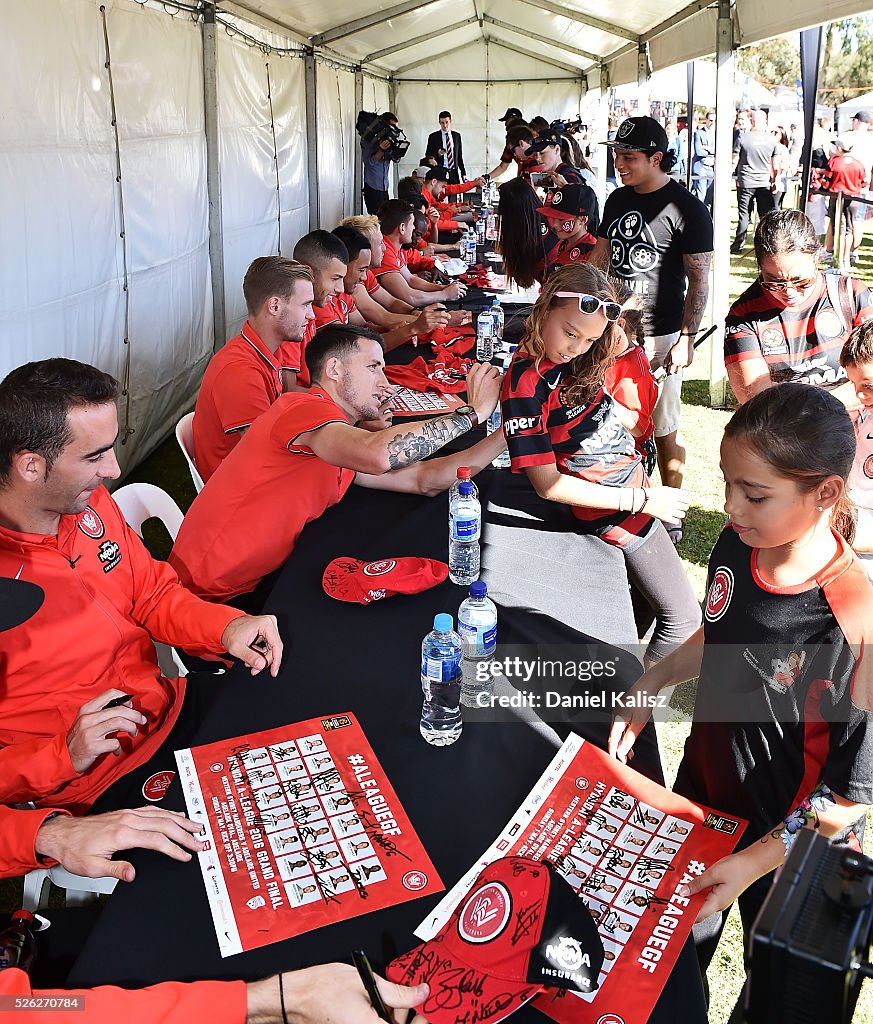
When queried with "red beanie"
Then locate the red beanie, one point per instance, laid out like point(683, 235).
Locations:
point(350, 579)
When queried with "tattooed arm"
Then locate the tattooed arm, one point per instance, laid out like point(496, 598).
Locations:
point(376, 452)
point(697, 271)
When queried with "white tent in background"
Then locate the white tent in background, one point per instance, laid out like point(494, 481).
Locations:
point(670, 85)
point(846, 111)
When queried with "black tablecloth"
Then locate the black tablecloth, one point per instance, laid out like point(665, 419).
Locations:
point(365, 659)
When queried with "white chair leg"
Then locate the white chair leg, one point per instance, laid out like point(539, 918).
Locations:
point(34, 886)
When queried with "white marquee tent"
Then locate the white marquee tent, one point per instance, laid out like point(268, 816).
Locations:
point(150, 150)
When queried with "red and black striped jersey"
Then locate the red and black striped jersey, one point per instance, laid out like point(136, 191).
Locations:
point(782, 674)
point(569, 251)
point(586, 441)
point(801, 345)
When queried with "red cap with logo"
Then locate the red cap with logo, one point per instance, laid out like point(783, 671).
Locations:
point(520, 930)
point(351, 579)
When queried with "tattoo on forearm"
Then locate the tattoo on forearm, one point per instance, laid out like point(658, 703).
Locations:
point(697, 271)
point(405, 449)
point(805, 815)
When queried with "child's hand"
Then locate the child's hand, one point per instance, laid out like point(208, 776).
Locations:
point(726, 879)
point(668, 504)
point(627, 725)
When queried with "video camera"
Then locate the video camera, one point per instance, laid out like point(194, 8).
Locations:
point(809, 944)
point(569, 127)
point(376, 128)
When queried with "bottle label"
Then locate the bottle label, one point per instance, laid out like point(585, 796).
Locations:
point(485, 327)
point(441, 670)
point(479, 642)
point(465, 529)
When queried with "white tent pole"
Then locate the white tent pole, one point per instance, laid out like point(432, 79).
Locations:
point(723, 187)
point(213, 175)
point(368, 21)
point(312, 136)
point(689, 121)
point(645, 105)
point(357, 199)
point(601, 129)
point(392, 99)
point(425, 37)
point(585, 19)
point(561, 47)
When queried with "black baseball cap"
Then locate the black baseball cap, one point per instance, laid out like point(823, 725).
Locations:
point(511, 112)
point(640, 135)
point(19, 600)
point(437, 174)
point(863, 115)
point(561, 948)
point(575, 200)
point(549, 138)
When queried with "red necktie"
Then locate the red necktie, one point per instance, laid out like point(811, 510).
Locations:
point(450, 155)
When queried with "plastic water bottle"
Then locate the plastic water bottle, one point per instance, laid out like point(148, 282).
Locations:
point(441, 683)
point(485, 335)
point(477, 627)
point(463, 473)
point(499, 317)
point(471, 247)
point(491, 227)
point(480, 228)
point(495, 422)
point(18, 941)
point(465, 519)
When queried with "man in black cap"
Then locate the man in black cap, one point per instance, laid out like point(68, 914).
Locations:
point(510, 119)
point(658, 237)
point(547, 148)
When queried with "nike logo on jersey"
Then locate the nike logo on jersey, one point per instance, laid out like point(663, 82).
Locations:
point(553, 386)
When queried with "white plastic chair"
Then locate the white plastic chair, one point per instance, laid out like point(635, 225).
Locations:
point(140, 502)
point(185, 437)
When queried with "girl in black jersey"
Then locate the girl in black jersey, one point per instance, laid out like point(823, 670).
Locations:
point(782, 733)
point(568, 435)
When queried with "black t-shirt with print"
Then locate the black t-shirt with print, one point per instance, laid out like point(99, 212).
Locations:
point(773, 714)
point(648, 234)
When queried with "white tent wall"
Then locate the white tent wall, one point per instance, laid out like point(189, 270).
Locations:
point(337, 143)
point(250, 202)
point(476, 107)
point(63, 258)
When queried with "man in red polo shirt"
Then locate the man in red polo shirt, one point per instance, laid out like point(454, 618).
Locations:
point(244, 377)
point(303, 454)
point(398, 224)
point(327, 259)
point(90, 643)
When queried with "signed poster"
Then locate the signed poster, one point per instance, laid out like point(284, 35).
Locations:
point(302, 829)
point(625, 844)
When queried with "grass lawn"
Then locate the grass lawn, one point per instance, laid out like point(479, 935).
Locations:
point(702, 429)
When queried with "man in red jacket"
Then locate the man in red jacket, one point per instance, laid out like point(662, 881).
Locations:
point(846, 174)
point(90, 645)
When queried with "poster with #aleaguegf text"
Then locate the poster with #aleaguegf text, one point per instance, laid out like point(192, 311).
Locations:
point(302, 829)
point(625, 844)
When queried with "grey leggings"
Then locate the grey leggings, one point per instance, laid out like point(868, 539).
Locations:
point(656, 571)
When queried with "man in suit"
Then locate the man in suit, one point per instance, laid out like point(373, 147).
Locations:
point(444, 149)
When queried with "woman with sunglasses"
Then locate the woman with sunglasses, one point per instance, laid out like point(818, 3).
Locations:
point(792, 322)
point(575, 442)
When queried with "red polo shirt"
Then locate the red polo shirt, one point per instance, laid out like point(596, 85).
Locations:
point(370, 283)
point(246, 521)
point(392, 261)
point(445, 222)
point(242, 380)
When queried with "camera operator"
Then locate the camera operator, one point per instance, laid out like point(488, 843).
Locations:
point(376, 155)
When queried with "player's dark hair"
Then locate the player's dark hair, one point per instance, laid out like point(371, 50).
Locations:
point(272, 275)
point(352, 239)
point(35, 400)
point(520, 241)
point(805, 434)
point(392, 214)
point(518, 133)
point(318, 248)
point(668, 161)
point(784, 231)
point(335, 341)
point(443, 113)
point(539, 123)
point(858, 350)
point(588, 370)
point(408, 186)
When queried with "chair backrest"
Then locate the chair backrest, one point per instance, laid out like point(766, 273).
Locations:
point(141, 502)
point(185, 437)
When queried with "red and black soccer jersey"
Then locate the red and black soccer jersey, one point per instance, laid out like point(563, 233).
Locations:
point(774, 712)
point(846, 174)
point(586, 441)
point(801, 345)
point(569, 251)
point(630, 382)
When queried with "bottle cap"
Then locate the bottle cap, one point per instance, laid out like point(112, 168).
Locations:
point(463, 472)
point(443, 623)
point(23, 915)
point(478, 589)
point(465, 487)
point(495, 301)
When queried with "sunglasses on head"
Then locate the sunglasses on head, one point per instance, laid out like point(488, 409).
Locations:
point(591, 304)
